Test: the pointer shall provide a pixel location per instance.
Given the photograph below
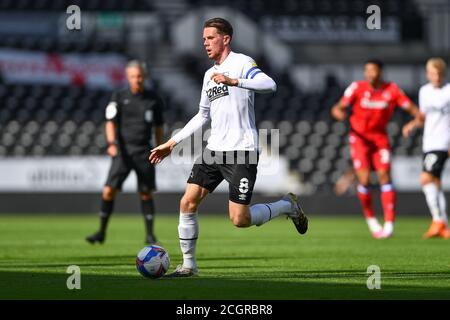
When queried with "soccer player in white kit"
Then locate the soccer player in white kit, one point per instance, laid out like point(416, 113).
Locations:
point(227, 100)
point(434, 101)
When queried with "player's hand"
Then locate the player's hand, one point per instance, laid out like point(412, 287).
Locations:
point(221, 78)
point(160, 152)
point(338, 113)
point(408, 129)
point(112, 150)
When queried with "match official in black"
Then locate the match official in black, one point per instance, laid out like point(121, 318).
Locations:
point(131, 116)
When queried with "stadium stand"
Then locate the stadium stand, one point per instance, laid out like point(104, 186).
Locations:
point(61, 5)
point(44, 120)
point(55, 120)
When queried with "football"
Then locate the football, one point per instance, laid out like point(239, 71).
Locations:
point(152, 261)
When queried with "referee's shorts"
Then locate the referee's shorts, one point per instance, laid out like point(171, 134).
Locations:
point(121, 166)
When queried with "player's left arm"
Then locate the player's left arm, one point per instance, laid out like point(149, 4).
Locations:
point(253, 78)
point(416, 123)
point(418, 117)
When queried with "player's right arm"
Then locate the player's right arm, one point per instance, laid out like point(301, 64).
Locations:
point(339, 110)
point(110, 128)
point(202, 117)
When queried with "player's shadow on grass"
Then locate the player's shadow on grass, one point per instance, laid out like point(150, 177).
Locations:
point(89, 261)
point(228, 258)
point(28, 285)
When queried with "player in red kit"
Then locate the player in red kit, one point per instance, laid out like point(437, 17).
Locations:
point(373, 102)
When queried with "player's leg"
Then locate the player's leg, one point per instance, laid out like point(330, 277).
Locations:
point(433, 164)
point(240, 214)
point(388, 201)
point(445, 233)
point(365, 198)
point(360, 154)
point(145, 172)
point(204, 178)
point(188, 229)
point(243, 216)
point(241, 179)
point(381, 161)
point(118, 172)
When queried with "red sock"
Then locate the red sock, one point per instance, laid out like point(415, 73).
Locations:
point(365, 197)
point(388, 198)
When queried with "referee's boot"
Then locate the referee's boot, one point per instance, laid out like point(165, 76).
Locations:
point(150, 239)
point(297, 215)
point(96, 237)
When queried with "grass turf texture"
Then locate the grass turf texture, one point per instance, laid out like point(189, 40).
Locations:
point(268, 262)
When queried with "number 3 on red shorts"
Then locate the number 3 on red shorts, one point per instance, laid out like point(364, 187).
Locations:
point(385, 156)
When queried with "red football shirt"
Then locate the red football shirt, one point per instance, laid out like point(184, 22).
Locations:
point(373, 108)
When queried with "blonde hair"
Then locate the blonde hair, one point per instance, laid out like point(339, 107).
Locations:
point(437, 63)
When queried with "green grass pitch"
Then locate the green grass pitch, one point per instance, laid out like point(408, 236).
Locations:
point(268, 262)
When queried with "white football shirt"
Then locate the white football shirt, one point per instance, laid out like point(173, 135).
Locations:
point(435, 104)
point(230, 108)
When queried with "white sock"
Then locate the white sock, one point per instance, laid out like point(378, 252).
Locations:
point(431, 192)
point(443, 207)
point(188, 233)
point(263, 212)
point(388, 227)
point(373, 224)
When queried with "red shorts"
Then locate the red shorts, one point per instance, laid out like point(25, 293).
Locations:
point(370, 152)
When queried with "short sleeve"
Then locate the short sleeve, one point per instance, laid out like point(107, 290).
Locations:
point(159, 111)
point(401, 99)
point(112, 109)
point(349, 94)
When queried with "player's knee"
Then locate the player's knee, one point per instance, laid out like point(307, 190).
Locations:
point(363, 177)
point(426, 178)
point(109, 193)
point(240, 221)
point(384, 177)
point(189, 204)
point(145, 196)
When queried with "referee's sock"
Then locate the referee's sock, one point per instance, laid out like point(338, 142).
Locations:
point(148, 211)
point(105, 212)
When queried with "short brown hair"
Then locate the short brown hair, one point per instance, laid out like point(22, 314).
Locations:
point(223, 26)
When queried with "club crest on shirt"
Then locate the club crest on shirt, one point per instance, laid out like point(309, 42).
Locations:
point(217, 92)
